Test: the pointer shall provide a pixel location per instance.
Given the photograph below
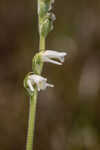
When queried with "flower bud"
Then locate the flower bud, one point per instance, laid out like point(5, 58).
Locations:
point(43, 9)
point(47, 24)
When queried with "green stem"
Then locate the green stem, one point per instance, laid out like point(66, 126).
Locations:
point(32, 110)
point(33, 103)
point(42, 43)
point(42, 48)
point(31, 123)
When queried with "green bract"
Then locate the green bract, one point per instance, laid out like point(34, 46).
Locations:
point(37, 64)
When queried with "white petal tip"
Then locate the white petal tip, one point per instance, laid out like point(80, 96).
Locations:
point(64, 53)
point(50, 85)
point(59, 64)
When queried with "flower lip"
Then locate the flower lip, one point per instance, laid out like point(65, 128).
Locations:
point(49, 55)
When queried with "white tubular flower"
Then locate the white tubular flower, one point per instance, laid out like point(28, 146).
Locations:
point(48, 55)
point(39, 81)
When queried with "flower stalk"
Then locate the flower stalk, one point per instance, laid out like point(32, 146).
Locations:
point(33, 105)
point(33, 81)
point(31, 122)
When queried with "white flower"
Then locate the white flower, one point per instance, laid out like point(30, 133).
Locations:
point(39, 81)
point(48, 55)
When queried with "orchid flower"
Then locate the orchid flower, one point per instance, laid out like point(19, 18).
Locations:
point(49, 55)
point(40, 82)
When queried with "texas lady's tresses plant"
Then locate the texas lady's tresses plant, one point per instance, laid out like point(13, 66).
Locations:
point(33, 81)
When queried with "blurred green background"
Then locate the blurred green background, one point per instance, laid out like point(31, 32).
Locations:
point(68, 115)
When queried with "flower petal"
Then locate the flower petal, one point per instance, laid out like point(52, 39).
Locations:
point(52, 61)
point(30, 85)
point(49, 85)
point(54, 54)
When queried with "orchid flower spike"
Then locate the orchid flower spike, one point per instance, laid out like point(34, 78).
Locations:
point(48, 55)
point(39, 81)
